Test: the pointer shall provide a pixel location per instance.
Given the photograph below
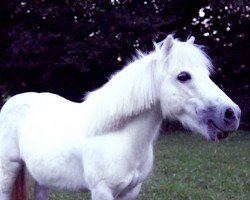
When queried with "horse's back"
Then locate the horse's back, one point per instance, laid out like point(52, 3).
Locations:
point(19, 107)
point(20, 104)
point(39, 113)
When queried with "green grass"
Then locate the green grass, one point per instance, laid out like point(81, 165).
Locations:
point(189, 167)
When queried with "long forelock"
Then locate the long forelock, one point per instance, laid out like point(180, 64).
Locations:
point(205, 57)
point(194, 53)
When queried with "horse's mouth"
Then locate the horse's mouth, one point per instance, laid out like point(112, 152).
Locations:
point(215, 132)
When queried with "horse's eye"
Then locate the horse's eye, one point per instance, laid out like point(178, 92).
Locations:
point(184, 76)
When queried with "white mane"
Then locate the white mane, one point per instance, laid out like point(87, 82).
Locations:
point(130, 91)
point(126, 94)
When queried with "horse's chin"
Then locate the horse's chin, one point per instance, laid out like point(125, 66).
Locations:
point(214, 132)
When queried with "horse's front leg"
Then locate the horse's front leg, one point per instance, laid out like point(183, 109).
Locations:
point(131, 194)
point(101, 192)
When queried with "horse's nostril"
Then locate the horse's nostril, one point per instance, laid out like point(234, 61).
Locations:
point(229, 114)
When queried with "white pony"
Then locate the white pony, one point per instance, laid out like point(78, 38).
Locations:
point(105, 144)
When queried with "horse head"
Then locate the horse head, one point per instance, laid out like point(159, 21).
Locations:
point(187, 94)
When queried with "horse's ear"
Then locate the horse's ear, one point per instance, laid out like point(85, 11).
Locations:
point(167, 44)
point(191, 40)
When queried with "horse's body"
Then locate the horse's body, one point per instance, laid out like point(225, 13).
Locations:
point(61, 148)
point(105, 144)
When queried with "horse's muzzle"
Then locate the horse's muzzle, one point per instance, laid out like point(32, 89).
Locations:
point(223, 123)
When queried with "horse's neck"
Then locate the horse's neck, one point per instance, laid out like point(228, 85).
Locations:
point(143, 128)
point(126, 96)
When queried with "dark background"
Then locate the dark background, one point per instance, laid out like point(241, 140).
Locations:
point(70, 47)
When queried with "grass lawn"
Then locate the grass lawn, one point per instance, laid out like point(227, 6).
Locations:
point(189, 167)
